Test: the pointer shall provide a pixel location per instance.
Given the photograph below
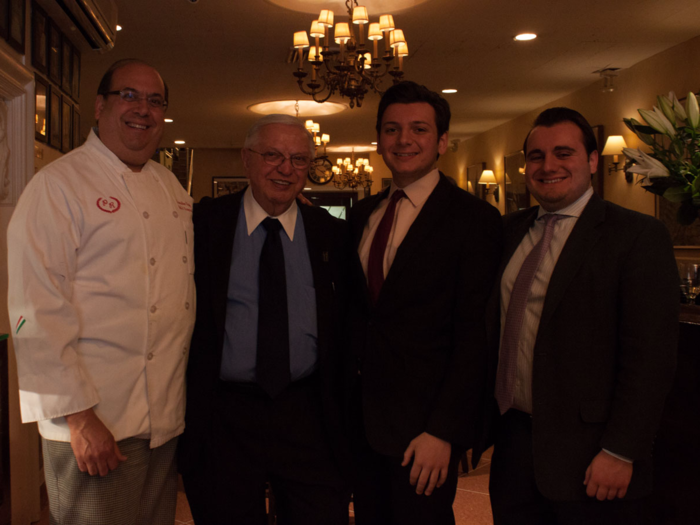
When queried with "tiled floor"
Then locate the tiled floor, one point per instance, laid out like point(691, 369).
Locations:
point(471, 506)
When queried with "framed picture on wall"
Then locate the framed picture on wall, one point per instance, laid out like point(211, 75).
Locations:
point(66, 65)
point(66, 126)
point(54, 53)
point(16, 22)
point(75, 77)
point(41, 104)
point(226, 185)
point(473, 174)
point(517, 194)
point(598, 180)
point(76, 128)
point(39, 39)
point(55, 120)
point(4, 18)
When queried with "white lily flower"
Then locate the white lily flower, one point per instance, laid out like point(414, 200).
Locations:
point(666, 107)
point(657, 120)
point(678, 108)
point(645, 165)
point(693, 110)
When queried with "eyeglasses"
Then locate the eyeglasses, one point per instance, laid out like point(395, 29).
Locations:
point(131, 96)
point(273, 158)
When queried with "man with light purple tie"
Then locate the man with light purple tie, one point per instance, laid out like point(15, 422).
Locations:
point(588, 329)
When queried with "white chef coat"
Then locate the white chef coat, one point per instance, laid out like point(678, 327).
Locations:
point(101, 295)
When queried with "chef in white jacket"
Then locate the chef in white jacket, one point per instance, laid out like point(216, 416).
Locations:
point(102, 305)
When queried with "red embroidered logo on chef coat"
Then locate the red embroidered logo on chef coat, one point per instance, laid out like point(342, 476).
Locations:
point(109, 204)
point(184, 206)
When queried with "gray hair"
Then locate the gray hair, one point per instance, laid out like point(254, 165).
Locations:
point(251, 138)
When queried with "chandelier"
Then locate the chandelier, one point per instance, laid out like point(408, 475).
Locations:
point(352, 173)
point(353, 70)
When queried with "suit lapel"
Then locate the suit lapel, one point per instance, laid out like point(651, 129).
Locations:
point(580, 242)
point(222, 229)
point(426, 223)
point(358, 223)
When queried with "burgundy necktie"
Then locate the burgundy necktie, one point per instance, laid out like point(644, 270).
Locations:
point(375, 266)
point(508, 359)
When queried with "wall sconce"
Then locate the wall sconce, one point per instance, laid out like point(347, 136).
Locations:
point(488, 178)
point(613, 146)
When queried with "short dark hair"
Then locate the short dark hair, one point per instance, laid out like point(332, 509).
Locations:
point(408, 92)
point(550, 117)
point(106, 82)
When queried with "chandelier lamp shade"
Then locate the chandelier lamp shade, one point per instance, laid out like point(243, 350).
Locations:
point(355, 65)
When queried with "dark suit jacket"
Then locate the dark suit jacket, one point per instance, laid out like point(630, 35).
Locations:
point(422, 347)
point(605, 351)
point(215, 225)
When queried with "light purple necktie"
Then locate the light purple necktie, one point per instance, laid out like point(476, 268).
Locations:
point(507, 361)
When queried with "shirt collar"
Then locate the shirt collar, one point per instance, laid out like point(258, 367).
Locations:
point(254, 214)
point(419, 190)
point(574, 209)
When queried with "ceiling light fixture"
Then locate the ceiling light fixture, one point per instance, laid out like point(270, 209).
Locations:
point(179, 142)
point(307, 108)
point(449, 91)
point(353, 173)
point(353, 70)
point(119, 28)
point(168, 120)
point(524, 37)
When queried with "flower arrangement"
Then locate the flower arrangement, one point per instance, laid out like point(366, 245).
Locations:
point(672, 168)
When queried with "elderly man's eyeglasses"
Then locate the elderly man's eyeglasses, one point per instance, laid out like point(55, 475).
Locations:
point(131, 96)
point(273, 158)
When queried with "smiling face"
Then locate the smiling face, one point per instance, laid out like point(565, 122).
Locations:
point(408, 141)
point(276, 187)
point(131, 130)
point(558, 169)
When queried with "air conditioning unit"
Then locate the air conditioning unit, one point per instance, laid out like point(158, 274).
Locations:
point(95, 19)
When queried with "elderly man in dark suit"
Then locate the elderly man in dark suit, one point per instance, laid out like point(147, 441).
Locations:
point(425, 261)
point(263, 396)
point(588, 319)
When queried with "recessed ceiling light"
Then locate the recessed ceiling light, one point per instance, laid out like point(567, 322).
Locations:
point(119, 28)
point(308, 188)
point(449, 90)
point(168, 120)
point(522, 37)
point(179, 142)
point(373, 143)
point(307, 108)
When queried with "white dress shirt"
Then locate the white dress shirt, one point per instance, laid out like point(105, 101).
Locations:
point(407, 209)
point(101, 295)
point(522, 396)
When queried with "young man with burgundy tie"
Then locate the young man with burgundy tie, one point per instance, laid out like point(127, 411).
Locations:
point(588, 321)
point(426, 254)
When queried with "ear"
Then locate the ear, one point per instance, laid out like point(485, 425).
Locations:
point(443, 142)
point(245, 157)
point(99, 106)
point(593, 161)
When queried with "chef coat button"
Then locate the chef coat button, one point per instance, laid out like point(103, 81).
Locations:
point(153, 309)
point(187, 306)
point(150, 356)
point(145, 215)
point(153, 261)
point(175, 214)
point(184, 259)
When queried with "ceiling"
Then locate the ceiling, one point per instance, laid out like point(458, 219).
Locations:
point(220, 56)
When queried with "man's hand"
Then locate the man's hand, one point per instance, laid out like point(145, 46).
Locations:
point(607, 477)
point(431, 459)
point(93, 444)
